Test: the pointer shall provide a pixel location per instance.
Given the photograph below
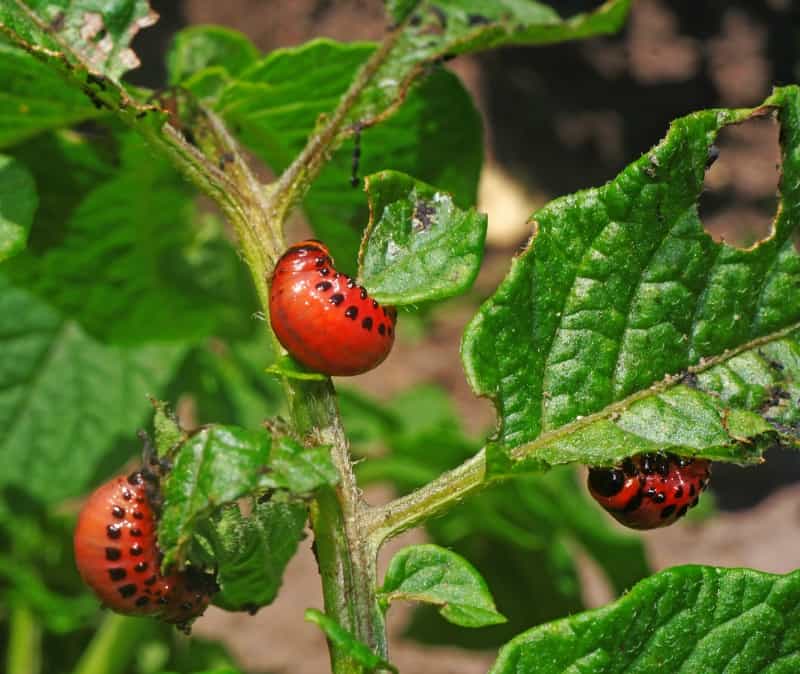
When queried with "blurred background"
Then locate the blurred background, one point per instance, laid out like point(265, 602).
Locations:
point(556, 119)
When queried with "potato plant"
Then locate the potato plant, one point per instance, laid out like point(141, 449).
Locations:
point(621, 329)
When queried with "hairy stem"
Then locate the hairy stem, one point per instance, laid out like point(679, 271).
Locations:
point(23, 655)
point(383, 522)
point(345, 554)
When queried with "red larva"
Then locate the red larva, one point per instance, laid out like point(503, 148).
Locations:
point(117, 556)
point(650, 490)
point(323, 318)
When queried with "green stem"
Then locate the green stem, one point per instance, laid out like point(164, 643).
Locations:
point(345, 554)
point(383, 522)
point(114, 644)
point(24, 641)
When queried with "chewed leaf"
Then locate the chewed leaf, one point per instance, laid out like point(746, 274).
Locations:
point(419, 245)
point(97, 33)
point(429, 32)
point(685, 619)
point(620, 288)
point(435, 575)
point(214, 467)
point(251, 553)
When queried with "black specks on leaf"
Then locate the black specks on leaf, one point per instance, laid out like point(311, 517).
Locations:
point(422, 217)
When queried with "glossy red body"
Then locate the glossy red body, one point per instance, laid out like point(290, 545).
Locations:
point(650, 490)
point(117, 556)
point(322, 318)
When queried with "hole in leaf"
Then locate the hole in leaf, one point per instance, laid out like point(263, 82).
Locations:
point(741, 186)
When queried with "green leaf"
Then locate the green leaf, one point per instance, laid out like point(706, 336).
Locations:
point(432, 574)
point(685, 619)
point(96, 31)
point(251, 553)
point(65, 399)
point(286, 366)
point(18, 202)
point(276, 103)
point(36, 98)
point(137, 262)
point(214, 467)
point(418, 246)
point(167, 432)
point(344, 640)
point(299, 469)
point(202, 47)
point(621, 287)
point(441, 30)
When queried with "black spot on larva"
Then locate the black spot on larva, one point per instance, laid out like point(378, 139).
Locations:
point(382, 329)
point(336, 299)
point(138, 514)
point(682, 511)
point(336, 275)
point(136, 532)
point(389, 331)
point(118, 512)
point(324, 271)
point(667, 511)
point(127, 590)
point(152, 579)
point(187, 606)
point(660, 497)
point(141, 567)
point(634, 502)
point(351, 312)
point(374, 304)
point(324, 286)
point(363, 292)
point(692, 490)
point(384, 310)
point(679, 492)
point(320, 261)
point(142, 601)
point(351, 282)
point(650, 493)
point(606, 481)
point(628, 467)
point(661, 464)
point(162, 600)
point(113, 554)
point(135, 478)
point(113, 531)
point(647, 464)
point(127, 494)
point(116, 574)
point(367, 323)
point(136, 549)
